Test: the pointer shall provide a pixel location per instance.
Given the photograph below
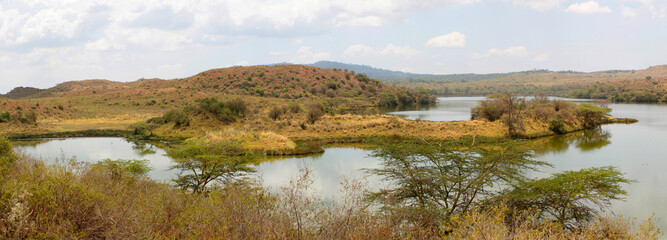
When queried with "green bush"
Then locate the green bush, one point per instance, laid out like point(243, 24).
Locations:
point(121, 169)
point(7, 156)
point(276, 112)
point(178, 117)
point(557, 125)
point(315, 112)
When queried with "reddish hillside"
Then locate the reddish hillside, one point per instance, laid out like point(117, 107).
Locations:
point(283, 81)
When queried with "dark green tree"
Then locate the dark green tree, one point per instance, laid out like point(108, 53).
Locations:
point(201, 162)
point(570, 197)
point(433, 181)
point(592, 116)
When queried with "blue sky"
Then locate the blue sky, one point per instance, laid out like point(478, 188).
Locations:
point(44, 42)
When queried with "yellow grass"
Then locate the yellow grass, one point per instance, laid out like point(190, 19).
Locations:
point(252, 140)
point(386, 125)
point(121, 122)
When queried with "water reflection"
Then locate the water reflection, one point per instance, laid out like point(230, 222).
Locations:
point(97, 149)
point(587, 140)
point(143, 148)
point(590, 140)
point(447, 109)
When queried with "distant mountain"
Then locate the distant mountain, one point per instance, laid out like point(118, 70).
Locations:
point(389, 74)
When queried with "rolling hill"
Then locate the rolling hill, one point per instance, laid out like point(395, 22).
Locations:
point(262, 87)
point(647, 85)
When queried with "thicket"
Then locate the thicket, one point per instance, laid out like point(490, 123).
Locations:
point(648, 92)
point(515, 111)
point(210, 108)
point(404, 97)
point(19, 117)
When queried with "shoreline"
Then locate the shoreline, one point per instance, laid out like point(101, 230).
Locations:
point(310, 144)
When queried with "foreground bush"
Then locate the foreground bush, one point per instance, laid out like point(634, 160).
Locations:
point(71, 200)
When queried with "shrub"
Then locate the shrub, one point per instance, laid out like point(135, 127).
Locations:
point(294, 107)
point(388, 99)
point(315, 112)
point(557, 125)
point(238, 106)
point(5, 117)
point(276, 112)
point(7, 156)
point(178, 117)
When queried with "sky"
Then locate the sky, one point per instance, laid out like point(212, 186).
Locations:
point(46, 42)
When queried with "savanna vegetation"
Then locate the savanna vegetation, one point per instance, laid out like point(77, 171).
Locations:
point(648, 85)
point(519, 114)
point(444, 177)
point(440, 191)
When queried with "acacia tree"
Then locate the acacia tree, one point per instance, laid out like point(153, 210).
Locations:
point(434, 181)
point(201, 162)
point(592, 116)
point(505, 107)
point(570, 197)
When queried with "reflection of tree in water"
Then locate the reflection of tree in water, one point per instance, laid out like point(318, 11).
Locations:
point(586, 140)
point(558, 143)
point(142, 148)
point(29, 143)
point(593, 139)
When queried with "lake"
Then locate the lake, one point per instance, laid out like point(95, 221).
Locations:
point(639, 150)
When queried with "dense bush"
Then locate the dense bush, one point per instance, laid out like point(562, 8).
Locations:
point(315, 112)
point(557, 114)
point(276, 112)
point(557, 125)
point(5, 117)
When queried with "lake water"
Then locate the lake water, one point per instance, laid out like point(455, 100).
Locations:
point(639, 150)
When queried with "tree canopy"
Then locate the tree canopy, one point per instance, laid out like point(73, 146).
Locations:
point(202, 162)
point(439, 180)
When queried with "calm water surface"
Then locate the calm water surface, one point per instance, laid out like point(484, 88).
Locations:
point(639, 150)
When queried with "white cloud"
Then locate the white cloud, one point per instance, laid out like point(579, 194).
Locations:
point(511, 51)
point(157, 39)
point(346, 19)
point(165, 71)
point(102, 45)
point(541, 58)
point(4, 59)
point(306, 55)
point(628, 12)
point(404, 51)
point(277, 53)
point(451, 40)
point(589, 7)
point(241, 63)
point(358, 50)
point(516, 51)
point(658, 12)
point(539, 5)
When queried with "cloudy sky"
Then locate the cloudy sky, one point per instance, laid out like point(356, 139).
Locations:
point(44, 42)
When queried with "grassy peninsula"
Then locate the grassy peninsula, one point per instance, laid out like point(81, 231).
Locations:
point(272, 109)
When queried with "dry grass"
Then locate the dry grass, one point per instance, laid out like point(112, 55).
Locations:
point(493, 224)
point(252, 140)
point(387, 125)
